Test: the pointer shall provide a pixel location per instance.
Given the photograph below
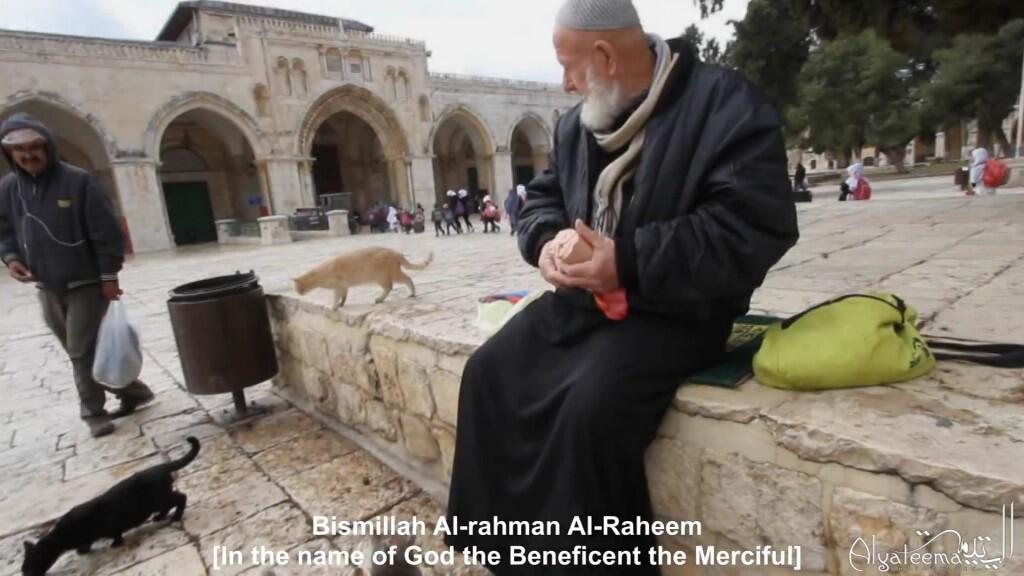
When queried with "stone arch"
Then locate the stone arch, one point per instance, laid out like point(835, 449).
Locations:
point(362, 103)
point(171, 110)
point(366, 108)
point(82, 140)
point(80, 137)
point(207, 171)
point(25, 97)
point(529, 141)
point(481, 132)
point(464, 148)
point(534, 127)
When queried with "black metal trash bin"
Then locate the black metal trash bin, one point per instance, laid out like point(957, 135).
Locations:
point(222, 330)
point(962, 178)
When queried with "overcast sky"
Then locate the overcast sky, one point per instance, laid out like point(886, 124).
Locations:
point(505, 38)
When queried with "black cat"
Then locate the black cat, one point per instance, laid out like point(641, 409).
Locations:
point(125, 506)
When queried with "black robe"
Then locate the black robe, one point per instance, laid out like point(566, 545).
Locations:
point(557, 409)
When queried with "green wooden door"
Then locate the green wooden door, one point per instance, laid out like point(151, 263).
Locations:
point(190, 212)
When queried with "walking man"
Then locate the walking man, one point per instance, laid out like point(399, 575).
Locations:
point(58, 229)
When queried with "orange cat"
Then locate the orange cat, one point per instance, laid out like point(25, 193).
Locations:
point(381, 266)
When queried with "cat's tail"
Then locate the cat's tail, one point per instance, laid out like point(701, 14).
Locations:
point(411, 266)
point(186, 459)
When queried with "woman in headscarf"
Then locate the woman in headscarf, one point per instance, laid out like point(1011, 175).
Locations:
point(856, 185)
point(979, 158)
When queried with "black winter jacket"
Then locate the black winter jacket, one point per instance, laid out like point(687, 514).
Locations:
point(59, 223)
point(711, 209)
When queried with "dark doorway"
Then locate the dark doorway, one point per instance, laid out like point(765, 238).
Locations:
point(190, 212)
point(523, 175)
point(326, 170)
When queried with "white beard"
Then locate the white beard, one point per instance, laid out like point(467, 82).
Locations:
point(602, 105)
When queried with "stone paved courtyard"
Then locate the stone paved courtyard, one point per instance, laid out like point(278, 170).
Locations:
point(959, 260)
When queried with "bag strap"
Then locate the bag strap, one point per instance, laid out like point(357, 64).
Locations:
point(993, 354)
point(900, 307)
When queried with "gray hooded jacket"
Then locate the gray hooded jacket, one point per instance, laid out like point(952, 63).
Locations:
point(59, 223)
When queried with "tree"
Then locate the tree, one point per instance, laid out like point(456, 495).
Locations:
point(770, 48)
point(855, 91)
point(979, 77)
point(706, 48)
point(708, 7)
point(913, 27)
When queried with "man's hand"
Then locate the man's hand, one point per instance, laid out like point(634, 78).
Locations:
point(19, 271)
point(111, 289)
point(599, 274)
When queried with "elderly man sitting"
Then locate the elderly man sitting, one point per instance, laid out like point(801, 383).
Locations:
point(674, 173)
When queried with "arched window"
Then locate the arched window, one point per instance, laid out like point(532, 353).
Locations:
point(282, 76)
point(424, 108)
point(334, 63)
point(403, 89)
point(298, 76)
point(392, 82)
point(355, 65)
point(262, 97)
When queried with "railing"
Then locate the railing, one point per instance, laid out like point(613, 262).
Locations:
point(294, 28)
point(85, 47)
point(504, 82)
point(385, 39)
point(290, 27)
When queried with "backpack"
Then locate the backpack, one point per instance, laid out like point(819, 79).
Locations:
point(853, 340)
point(863, 191)
point(491, 211)
point(996, 174)
point(863, 340)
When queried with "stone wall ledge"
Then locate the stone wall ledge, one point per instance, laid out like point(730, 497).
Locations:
point(755, 465)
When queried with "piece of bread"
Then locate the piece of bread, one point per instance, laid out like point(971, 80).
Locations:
point(570, 248)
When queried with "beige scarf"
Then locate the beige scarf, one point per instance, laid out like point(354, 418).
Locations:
point(608, 191)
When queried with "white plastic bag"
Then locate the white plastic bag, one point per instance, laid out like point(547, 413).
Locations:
point(118, 360)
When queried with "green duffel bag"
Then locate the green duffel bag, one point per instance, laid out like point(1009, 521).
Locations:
point(853, 340)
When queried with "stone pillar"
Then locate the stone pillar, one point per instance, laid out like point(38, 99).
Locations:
point(502, 176)
point(142, 204)
point(226, 229)
point(284, 186)
point(337, 222)
point(274, 230)
point(423, 181)
point(309, 197)
point(398, 179)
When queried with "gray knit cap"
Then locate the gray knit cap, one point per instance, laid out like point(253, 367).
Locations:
point(598, 15)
